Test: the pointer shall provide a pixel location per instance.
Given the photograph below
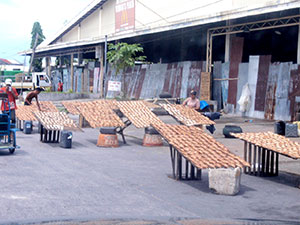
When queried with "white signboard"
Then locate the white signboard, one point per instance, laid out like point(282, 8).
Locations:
point(114, 85)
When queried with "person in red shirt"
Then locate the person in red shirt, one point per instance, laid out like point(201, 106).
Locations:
point(60, 86)
point(12, 96)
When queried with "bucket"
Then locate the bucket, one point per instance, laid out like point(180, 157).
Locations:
point(66, 139)
point(108, 140)
point(27, 127)
point(151, 140)
point(203, 105)
point(279, 127)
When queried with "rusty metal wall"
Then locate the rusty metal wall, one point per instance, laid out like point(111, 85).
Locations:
point(262, 81)
point(282, 106)
point(236, 54)
point(217, 84)
point(270, 101)
point(294, 89)
point(148, 81)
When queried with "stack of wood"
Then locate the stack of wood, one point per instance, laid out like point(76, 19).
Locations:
point(56, 121)
point(186, 115)
point(99, 115)
point(271, 141)
point(201, 149)
point(25, 112)
point(138, 113)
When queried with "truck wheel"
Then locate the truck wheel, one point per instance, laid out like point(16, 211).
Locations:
point(12, 150)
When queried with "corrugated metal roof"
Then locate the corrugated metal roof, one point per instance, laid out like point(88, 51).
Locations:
point(4, 62)
point(77, 20)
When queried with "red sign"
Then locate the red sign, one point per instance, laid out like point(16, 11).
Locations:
point(125, 15)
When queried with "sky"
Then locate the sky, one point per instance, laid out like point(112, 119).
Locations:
point(17, 18)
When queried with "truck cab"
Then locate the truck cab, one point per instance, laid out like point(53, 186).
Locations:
point(28, 81)
point(41, 80)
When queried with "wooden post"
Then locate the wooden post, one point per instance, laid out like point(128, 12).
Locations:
point(72, 72)
point(172, 160)
point(192, 172)
point(268, 163)
point(272, 163)
point(250, 157)
point(263, 158)
point(245, 156)
point(199, 174)
point(254, 160)
point(186, 169)
point(48, 68)
point(41, 132)
point(101, 71)
point(179, 165)
point(259, 161)
point(277, 164)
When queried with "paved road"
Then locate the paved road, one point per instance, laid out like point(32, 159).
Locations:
point(43, 182)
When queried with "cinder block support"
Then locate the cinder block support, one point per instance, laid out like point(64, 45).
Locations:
point(225, 181)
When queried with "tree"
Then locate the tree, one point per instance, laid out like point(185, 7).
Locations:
point(37, 30)
point(122, 56)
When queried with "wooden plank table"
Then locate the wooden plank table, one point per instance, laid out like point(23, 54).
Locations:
point(262, 150)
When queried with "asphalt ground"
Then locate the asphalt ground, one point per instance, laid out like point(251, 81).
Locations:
point(131, 184)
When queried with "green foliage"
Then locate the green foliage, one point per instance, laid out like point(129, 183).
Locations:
point(37, 29)
point(123, 55)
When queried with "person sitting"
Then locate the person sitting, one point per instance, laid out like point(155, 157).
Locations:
point(33, 94)
point(192, 101)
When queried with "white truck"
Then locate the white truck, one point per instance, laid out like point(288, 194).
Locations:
point(28, 82)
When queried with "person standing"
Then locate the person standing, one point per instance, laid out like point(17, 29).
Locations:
point(192, 101)
point(31, 95)
point(12, 95)
point(60, 86)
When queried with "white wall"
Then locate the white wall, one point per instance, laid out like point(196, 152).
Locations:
point(172, 14)
point(90, 26)
point(72, 35)
point(108, 18)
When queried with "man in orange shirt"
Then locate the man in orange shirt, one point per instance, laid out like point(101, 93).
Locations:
point(12, 96)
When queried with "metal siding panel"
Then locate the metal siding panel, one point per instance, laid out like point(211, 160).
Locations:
point(194, 77)
point(224, 84)
point(216, 84)
point(243, 78)
point(167, 78)
point(184, 81)
point(178, 82)
point(262, 82)
point(236, 54)
point(270, 101)
point(96, 75)
point(294, 89)
point(282, 109)
point(139, 83)
point(252, 80)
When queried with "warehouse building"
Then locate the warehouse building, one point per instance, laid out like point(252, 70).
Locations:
point(225, 43)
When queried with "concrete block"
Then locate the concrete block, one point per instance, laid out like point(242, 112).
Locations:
point(225, 181)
